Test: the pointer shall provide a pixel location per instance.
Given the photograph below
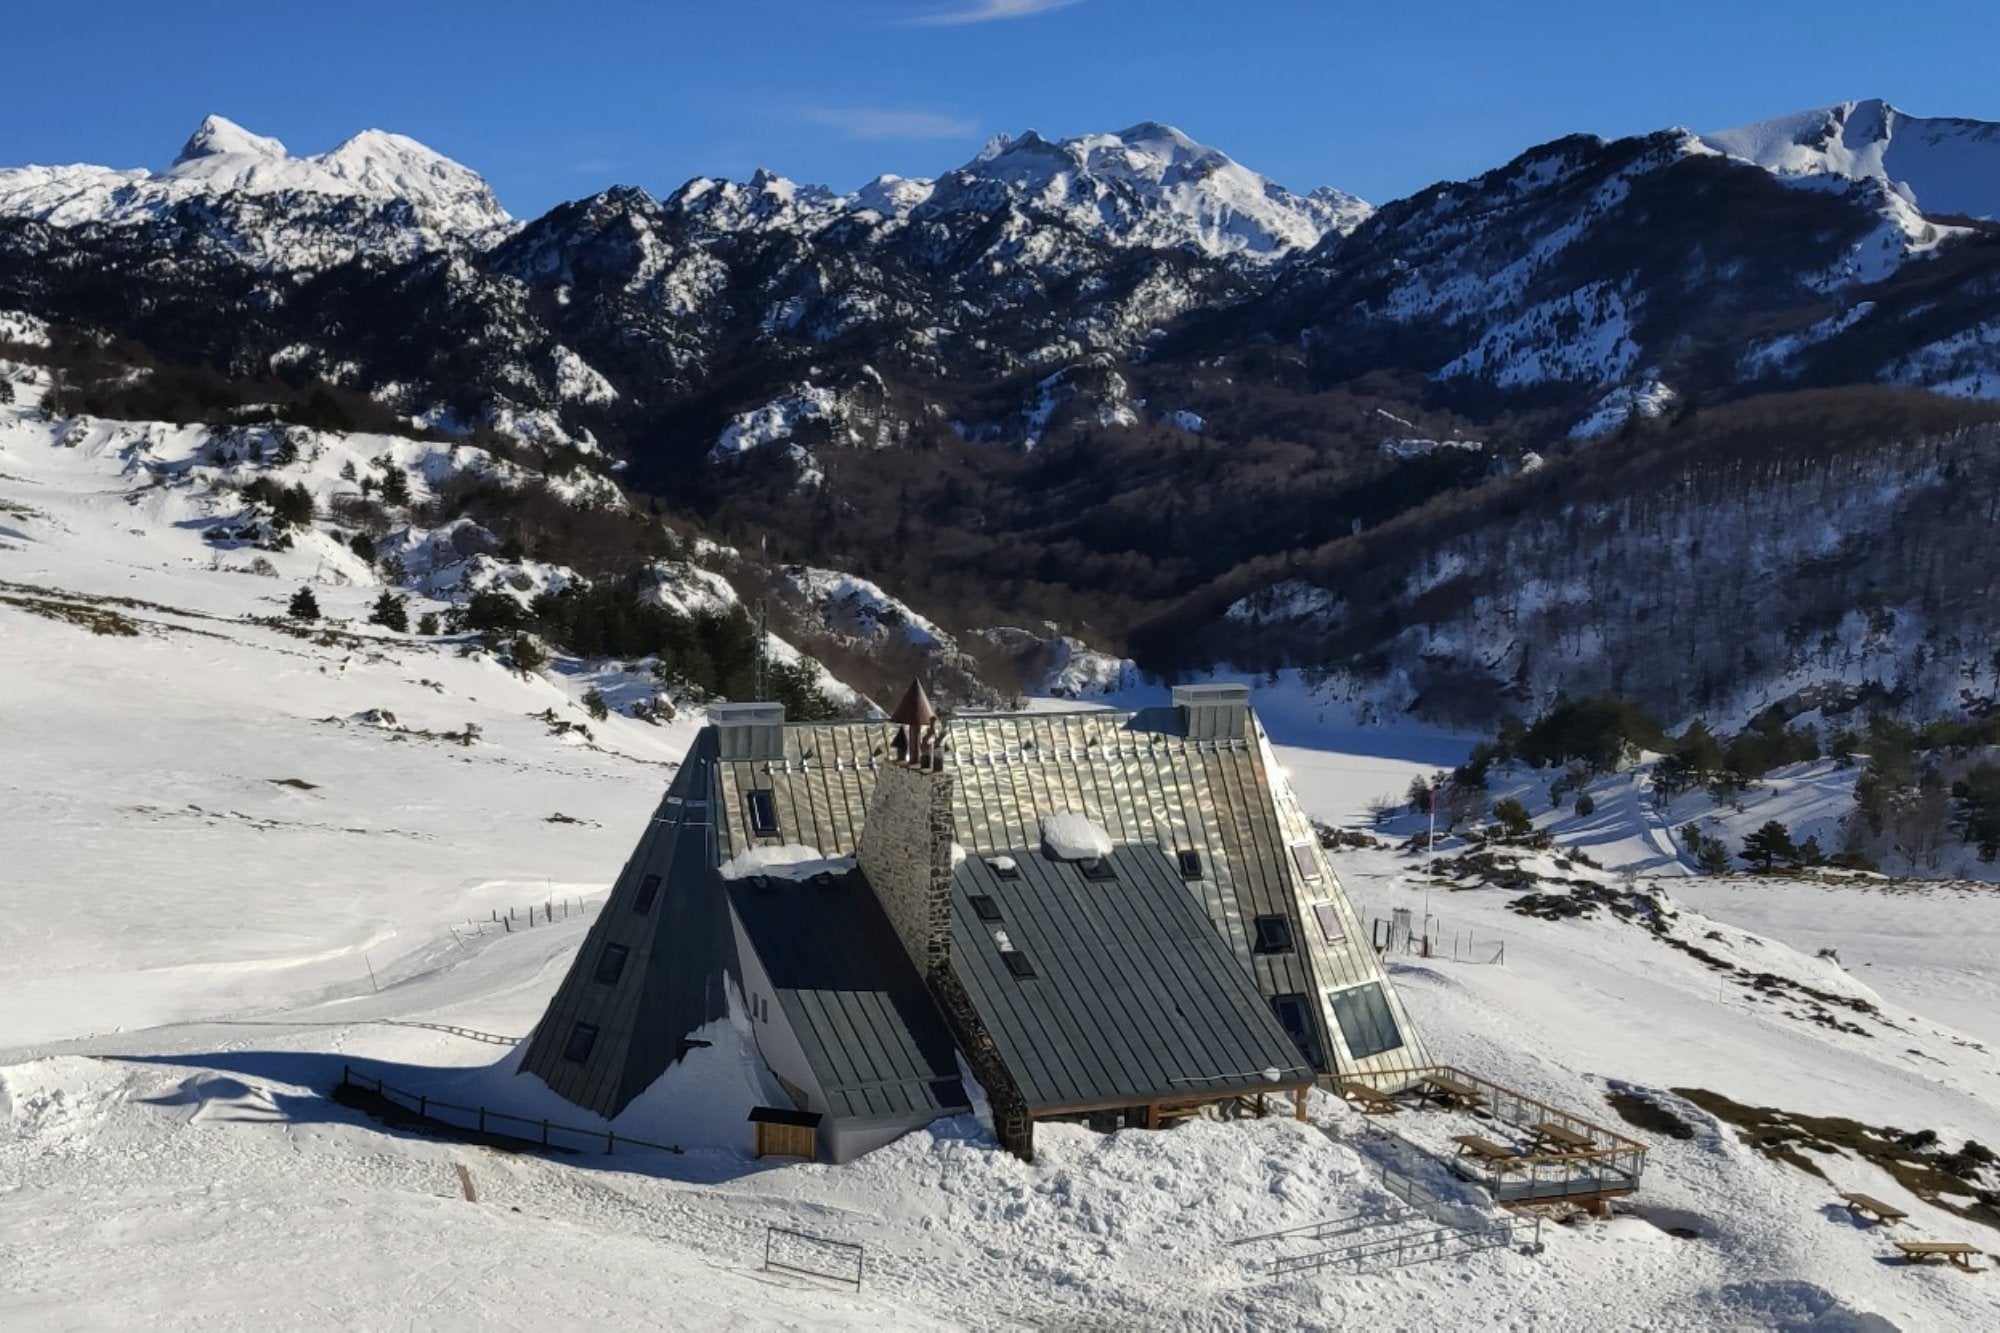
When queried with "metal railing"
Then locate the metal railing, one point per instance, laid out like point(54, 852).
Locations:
point(790, 1251)
point(1385, 1252)
point(480, 1119)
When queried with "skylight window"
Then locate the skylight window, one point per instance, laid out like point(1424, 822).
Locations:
point(763, 808)
point(1190, 863)
point(611, 963)
point(985, 907)
point(1099, 868)
point(1004, 867)
point(1274, 935)
point(1302, 857)
point(1018, 964)
point(1330, 928)
point(649, 889)
point(581, 1038)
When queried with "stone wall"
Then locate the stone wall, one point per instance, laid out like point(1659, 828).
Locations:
point(1011, 1123)
point(905, 851)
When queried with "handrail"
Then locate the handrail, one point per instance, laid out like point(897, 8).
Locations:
point(423, 1105)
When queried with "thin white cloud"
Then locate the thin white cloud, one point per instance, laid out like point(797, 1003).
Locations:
point(875, 123)
point(990, 11)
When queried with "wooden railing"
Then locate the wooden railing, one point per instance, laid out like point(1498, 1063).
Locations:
point(1612, 1163)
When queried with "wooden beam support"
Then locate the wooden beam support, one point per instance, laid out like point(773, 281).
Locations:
point(1299, 1104)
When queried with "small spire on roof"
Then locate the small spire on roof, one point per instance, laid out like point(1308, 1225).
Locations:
point(915, 710)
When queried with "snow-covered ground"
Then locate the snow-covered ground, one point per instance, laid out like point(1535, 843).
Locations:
point(226, 874)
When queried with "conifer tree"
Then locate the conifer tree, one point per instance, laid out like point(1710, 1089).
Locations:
point(304, 606)
point(391, 612)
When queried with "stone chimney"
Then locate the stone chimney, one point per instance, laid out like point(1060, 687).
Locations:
point(905, 851)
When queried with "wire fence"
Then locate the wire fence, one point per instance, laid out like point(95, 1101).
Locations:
point(1398, 934)
point(544, 913)
point(483, 1120)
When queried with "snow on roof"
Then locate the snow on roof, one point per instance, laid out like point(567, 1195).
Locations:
point(1073, 837)
point(791, 861)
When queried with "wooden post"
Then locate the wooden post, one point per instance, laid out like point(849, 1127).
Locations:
point(1152, 1115)
point(1299, 1104)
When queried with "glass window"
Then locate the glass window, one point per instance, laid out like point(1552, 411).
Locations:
point(1295, 1017)
point(1302, 857)
point(1366, 1023)
point(1328, 917)
point(581, 1038)
point(1190, 861)
point(763, 806)
point(985, 907)
point(1099, 868)
point(611, 963)
point(1274, 935)
point(649, 889)
point(1018, 964)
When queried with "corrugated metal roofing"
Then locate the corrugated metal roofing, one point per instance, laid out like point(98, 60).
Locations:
point(869, 1029)
point(1134, 998)
point(680, 956)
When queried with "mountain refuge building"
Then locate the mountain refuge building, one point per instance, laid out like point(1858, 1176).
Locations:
point(1120, 916)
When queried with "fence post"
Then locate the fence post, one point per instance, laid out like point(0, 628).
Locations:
point(509, 923)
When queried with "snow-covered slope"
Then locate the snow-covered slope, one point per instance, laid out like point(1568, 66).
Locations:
point(1939, 165)
point(443, 203)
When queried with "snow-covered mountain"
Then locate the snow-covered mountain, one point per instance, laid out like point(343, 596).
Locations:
point(1938, 165)
point(421, 199)
point(1115, 383)
point(1149, 185)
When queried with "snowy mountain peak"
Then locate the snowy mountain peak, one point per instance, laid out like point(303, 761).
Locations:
point(1149, 184)
point(1940, 165)
point(218, 135)
point(222, 166)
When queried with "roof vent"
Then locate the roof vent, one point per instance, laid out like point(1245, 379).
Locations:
point(1214, 712)
point(748, 731)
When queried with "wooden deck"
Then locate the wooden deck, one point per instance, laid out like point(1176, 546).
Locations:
point(1561, 1156)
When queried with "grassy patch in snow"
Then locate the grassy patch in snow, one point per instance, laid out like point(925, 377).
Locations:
point(96, 619)
point(1644, 1113)
point(1966, 1182)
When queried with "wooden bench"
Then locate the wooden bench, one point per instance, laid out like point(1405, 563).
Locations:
point(1372, 1101)
point(1955, 1252)
point(1486, 1150)
point(1450, 1092)
point(1867, 1205)
point(1548, 1134)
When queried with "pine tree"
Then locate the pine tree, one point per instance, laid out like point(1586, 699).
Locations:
point(427, 624)
point(593, 702)
point(1768, 845)
point(304, 606)
point(395, 487)
point(529, 656)
point(391, 612)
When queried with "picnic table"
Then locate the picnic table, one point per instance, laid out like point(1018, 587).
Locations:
point(1560, 1138)
point(1486, 1150)
point(1863, 1205)
point(1372, 1101)
point(1955, 1252)
point(1450, 1092)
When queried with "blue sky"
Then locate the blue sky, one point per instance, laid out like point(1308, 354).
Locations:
point(556, 101)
